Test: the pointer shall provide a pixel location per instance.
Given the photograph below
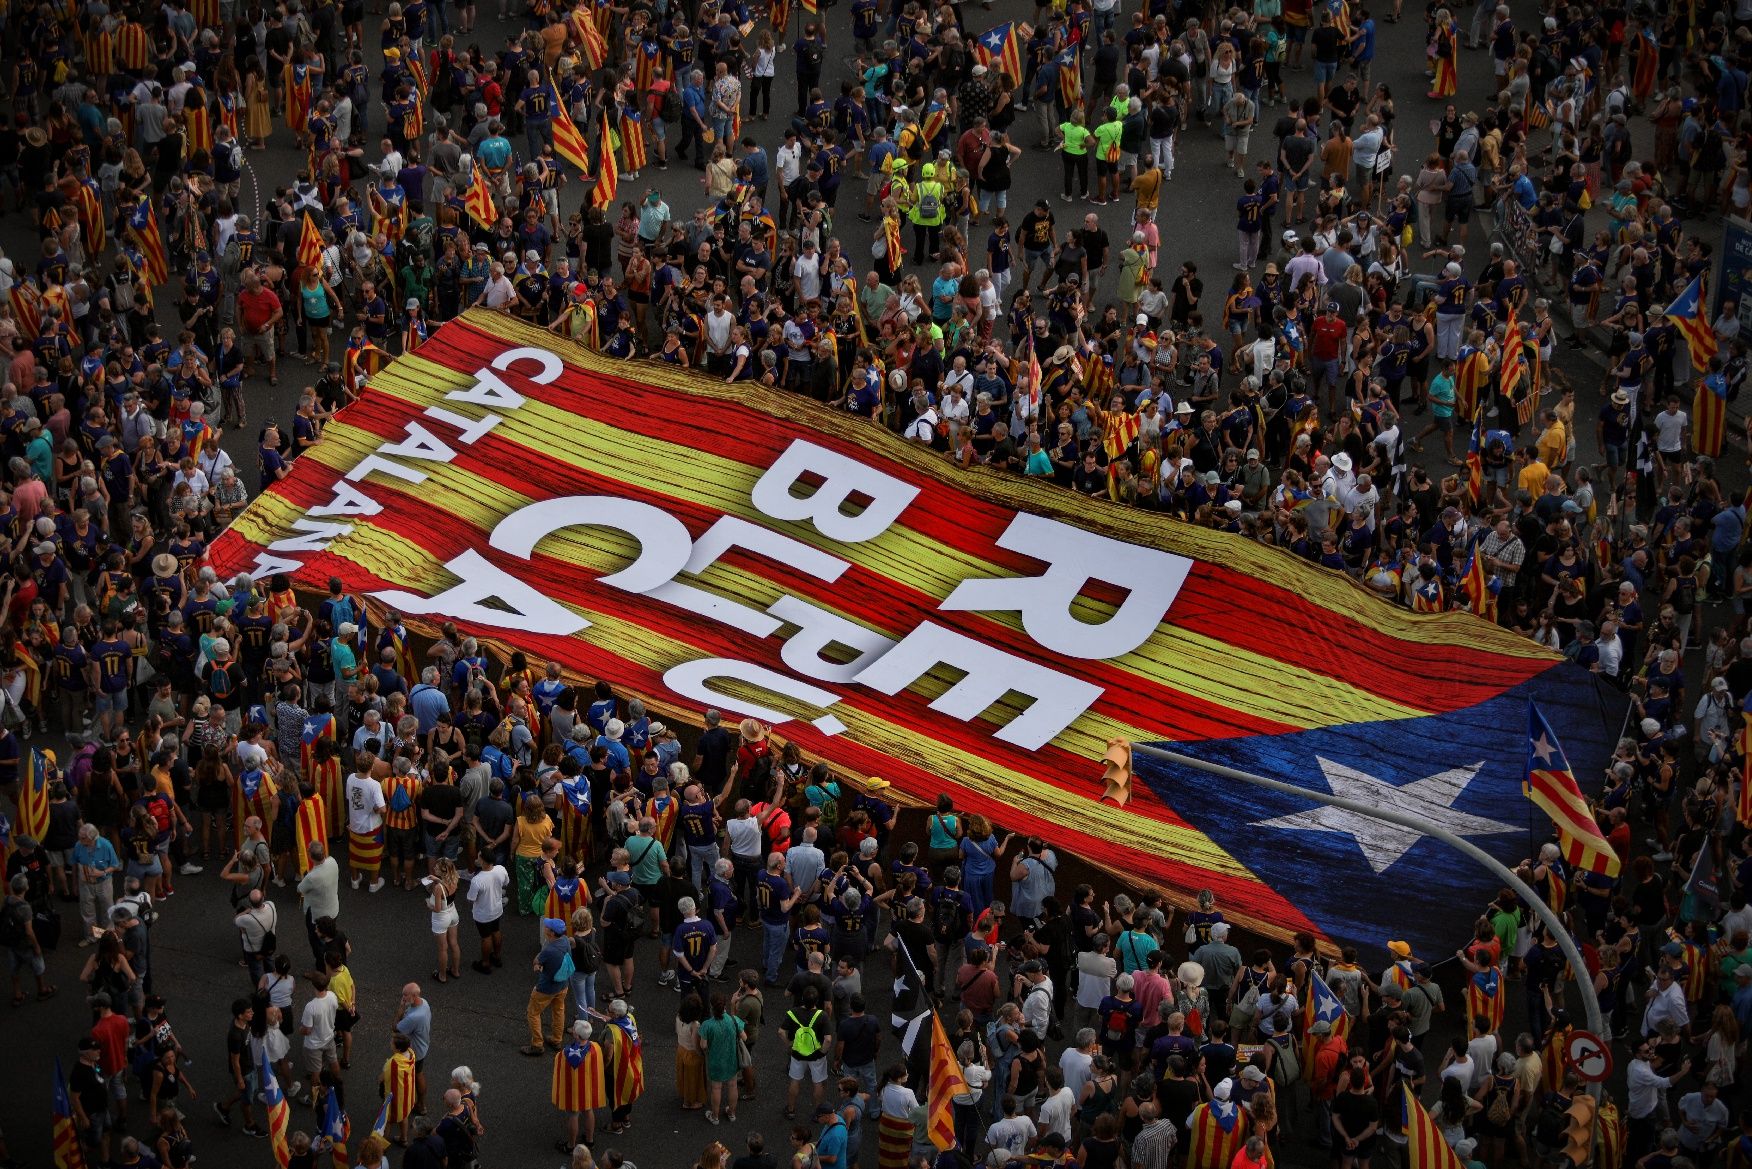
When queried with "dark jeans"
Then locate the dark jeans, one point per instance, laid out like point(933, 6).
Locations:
point(1076, 167)
point(746, 877)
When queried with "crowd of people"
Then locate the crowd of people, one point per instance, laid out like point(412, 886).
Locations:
point(232, 731)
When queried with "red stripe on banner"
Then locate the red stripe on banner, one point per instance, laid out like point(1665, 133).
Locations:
point(440, 534)
point(1434, 678)
point(1131, 698)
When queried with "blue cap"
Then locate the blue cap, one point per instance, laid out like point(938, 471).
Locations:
point(620, 878)
point(553, 925)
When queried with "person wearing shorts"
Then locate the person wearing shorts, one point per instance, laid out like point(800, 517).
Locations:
point(486, 896)
point(807, 1015)
point(317, 1027)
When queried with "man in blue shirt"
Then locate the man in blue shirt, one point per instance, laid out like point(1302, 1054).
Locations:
point(830, 1146)
point(693, 119)
point(551, 983)
point(776, 897)
point(95, 864)
point(427, 701)
point(695, 944)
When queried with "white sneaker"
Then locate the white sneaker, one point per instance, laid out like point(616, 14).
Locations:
point(376, 885)
point(356, 881)
point(190, 868)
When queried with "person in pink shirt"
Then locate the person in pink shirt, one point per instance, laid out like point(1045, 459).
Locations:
point(1150, 989)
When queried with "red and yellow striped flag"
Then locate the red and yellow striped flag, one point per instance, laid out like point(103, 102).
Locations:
point(68, 1152)
point(198, 121)
point(947, 1082)
point(569, 144)
point(480, 200)
point(309, 243)
point(1743, 805)
point(1709, 414)
point(1552, 786)
point(607, 175)
point(1309, 658)
point(632, 135)
point(1425, 1147)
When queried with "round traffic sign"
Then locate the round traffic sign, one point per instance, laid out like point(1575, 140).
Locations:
point(1591, 1058)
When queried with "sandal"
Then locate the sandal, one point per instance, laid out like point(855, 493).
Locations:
point(437, 977)
point(46, 993)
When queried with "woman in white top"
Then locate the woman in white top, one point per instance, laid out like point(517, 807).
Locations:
point(760, 92)
point(441, 901)
point(896, 1104)
point(278, 984)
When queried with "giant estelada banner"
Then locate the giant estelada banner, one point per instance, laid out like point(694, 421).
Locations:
point(701, 544)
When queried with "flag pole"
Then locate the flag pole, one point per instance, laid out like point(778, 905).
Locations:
point(1553, 923)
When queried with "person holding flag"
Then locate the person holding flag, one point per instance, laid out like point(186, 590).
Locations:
point(1689, 316)
point(1551, 785)
point(1484, 986)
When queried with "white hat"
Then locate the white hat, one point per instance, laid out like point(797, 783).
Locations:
point(347, 629)
point(1223, 1089)
point(1191, 973)
point(656, 728)
point(613, 729)
point(1341, 462)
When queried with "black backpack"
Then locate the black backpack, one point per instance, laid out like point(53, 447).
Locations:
point(671, 109)
point(586, 958)
point(1552, 1127)
point(14, 917)
point(949, 916)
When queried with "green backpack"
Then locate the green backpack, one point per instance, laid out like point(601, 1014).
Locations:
point(805, 1043)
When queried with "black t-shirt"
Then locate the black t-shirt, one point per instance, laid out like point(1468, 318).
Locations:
point(1177, 1099)
point(1082, 918)
point(716, 746)
point(442, 800)
point(1327, 41)
point(1355, 1110)
point(916, 936)
point(91, 1086)
point(237, 1044)
point(495, 815)
point(862, 1035)
point(1036, 230)
point(1095, 244)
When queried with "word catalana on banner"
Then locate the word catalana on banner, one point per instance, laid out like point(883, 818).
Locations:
point(702, 544)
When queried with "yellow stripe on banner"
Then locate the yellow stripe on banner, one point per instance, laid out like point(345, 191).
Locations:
point(385, 554)
point(1175, 658)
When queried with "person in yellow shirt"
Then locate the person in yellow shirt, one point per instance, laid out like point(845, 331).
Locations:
point(1146, 185)
point(1107, 154)
point(1074, 141)
point(346, 993)
point(1553, 441)
point(1533, 473)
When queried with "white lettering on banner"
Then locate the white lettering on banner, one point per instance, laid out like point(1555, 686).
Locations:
point(267, 565)
point(420, 443)
point(691, 680)
point(734, 532)
point(317, 536)
point(817, 630)
point(664, 543)
point(472, 430)
point(847, 501)
point(1056, 700)
point(843, 480)
point(520, 606)
point(348, 500)
point(1075, 557)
